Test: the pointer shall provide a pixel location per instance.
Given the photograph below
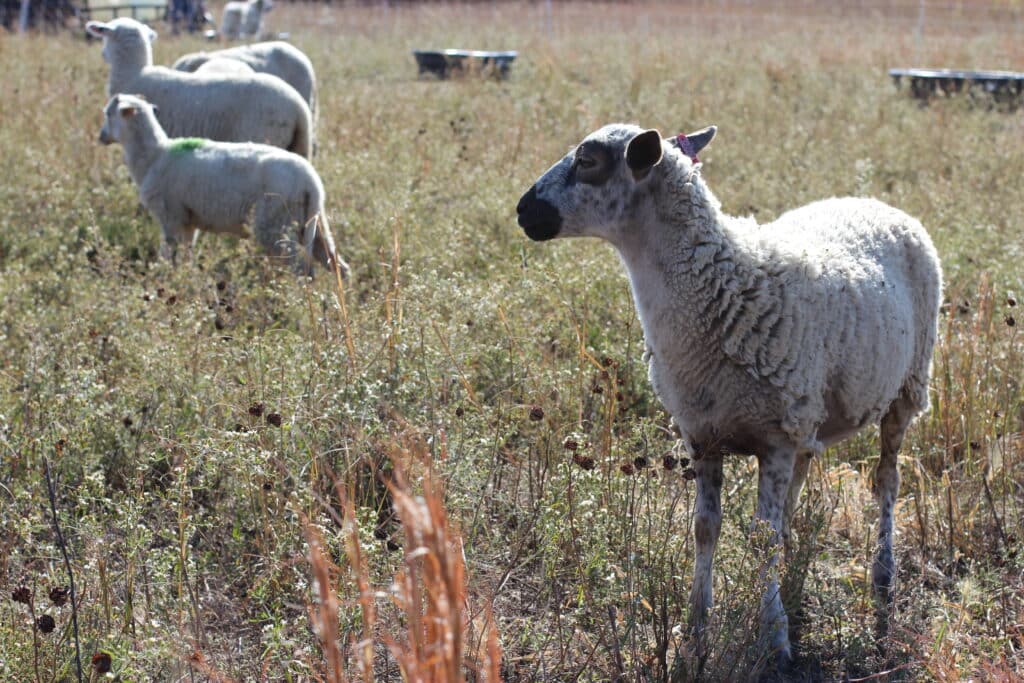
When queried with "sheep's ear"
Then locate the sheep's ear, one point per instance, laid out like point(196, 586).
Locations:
point(693, 143)
point(643, 153)
point(98, 29)
point(151, 34)
point(700, 139)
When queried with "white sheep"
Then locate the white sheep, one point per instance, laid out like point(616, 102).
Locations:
point(191, 184)
point(276, 58)
point(775, 340)
point(224, 66)
point(228, 107)
point(243, 19)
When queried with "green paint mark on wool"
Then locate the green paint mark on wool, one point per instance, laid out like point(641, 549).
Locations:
point(186, 145)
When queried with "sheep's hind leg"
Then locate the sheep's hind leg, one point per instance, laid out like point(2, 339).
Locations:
point(270, 227)
point(775, 474)
point(887, 485)
point(707, 524)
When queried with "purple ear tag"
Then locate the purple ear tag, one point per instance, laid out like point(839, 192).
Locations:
point(687, 147)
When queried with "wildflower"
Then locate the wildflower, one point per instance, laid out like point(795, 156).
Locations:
point(101, 663)
point(45, 623)
point(22, 594)
point(59, 595)
point(584, 461)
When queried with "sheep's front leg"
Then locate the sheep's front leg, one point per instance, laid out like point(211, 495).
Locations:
point(174, 235)
point(801, 465)
point(775, 474)
point(707, 524)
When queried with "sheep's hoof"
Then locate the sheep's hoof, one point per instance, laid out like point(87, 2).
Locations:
point(784, 659)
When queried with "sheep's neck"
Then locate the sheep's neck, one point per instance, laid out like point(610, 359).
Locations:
point(145, 142)
point(678, 260)
point(126, 67)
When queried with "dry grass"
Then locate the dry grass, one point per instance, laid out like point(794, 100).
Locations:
point(266, 479)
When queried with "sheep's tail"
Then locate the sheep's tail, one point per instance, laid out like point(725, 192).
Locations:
point(319, 242)
point(302, 138)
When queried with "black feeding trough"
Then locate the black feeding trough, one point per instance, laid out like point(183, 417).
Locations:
point(1002, 86)
point(445, 63)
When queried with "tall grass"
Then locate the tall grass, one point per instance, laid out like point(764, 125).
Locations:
point(249, 461)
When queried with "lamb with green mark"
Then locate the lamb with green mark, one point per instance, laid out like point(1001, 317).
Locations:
point(192, 184)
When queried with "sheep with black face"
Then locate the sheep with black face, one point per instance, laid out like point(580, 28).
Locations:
point(774, 340)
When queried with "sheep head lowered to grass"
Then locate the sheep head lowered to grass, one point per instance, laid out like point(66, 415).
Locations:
point(774, 340)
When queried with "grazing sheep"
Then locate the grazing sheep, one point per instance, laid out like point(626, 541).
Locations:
point(224, 66)
point(227, 107)
point(774, 340)
point(276, 58)
point(192, 183)
point(243, 19)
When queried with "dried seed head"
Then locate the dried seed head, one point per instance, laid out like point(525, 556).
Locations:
point(536, 413)
point(570, 444)
point(669, 462)
point(1011, 301)
point(460, 411)
point(45, 623)
point(22, 594)
point(689, 474)
point(59, 595)
point(584, 461)
point(640, 462)
point(221, 286)
point(101, 663)
point(274, 419)
point(256, 409)
point(1010, 322)
point(627, 468)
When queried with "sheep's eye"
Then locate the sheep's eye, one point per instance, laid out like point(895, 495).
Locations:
point(585, 163)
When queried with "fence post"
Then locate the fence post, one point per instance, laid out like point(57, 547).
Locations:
point(23, 16)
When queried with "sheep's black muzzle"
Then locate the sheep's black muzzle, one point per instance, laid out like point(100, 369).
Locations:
point(538, 217)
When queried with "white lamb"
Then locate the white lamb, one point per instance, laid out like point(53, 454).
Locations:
point(774, 340)
point(224, 66)
point(276, 58)
point(243, 19)
point(192, 183)
point(228, 107)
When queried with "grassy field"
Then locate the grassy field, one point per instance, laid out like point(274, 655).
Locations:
point(206, 425)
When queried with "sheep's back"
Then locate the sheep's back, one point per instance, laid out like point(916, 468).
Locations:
point(230, 108)
point(858, 287)
point(219, 182)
